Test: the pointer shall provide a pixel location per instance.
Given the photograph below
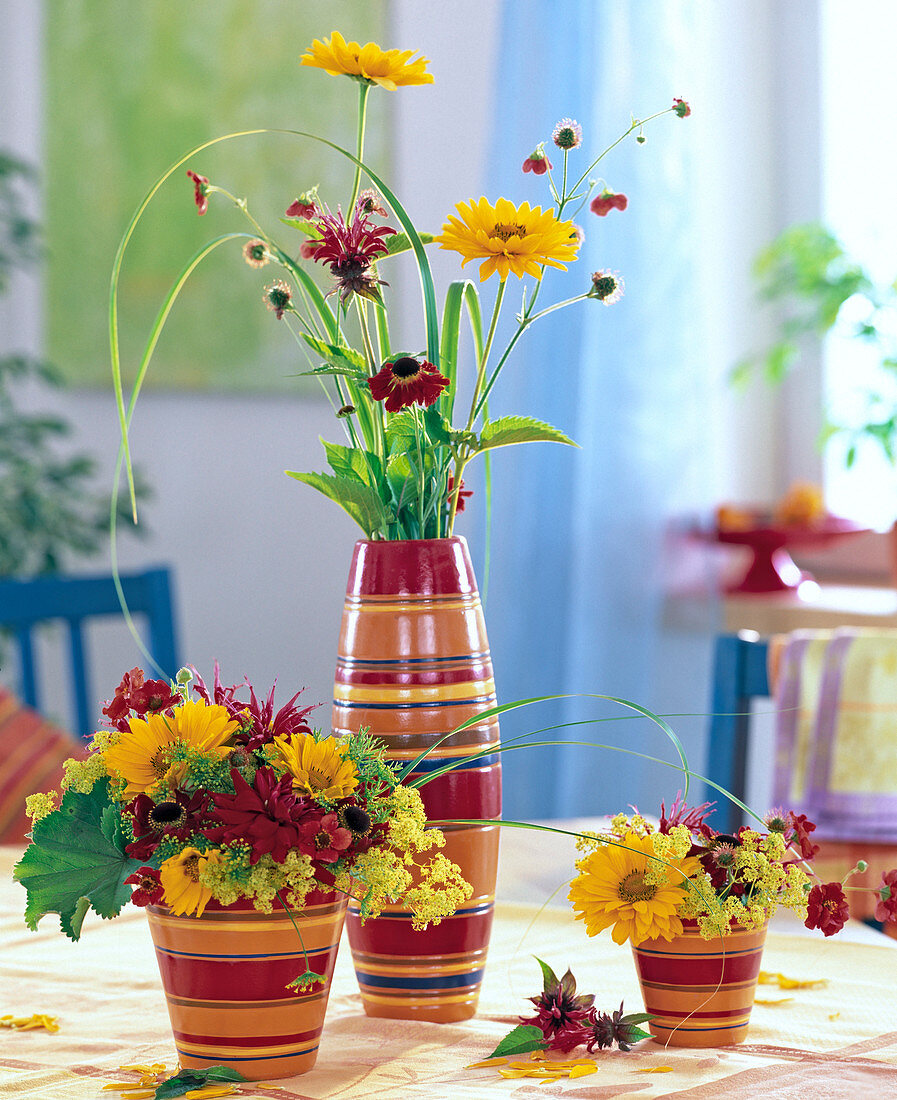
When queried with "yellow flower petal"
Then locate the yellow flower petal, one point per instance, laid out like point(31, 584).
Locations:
point(388, 68)
point(655, 1069)
point(508, 238)
point(583, 1070)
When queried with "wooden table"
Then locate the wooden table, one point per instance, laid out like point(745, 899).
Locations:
point(833, 1042)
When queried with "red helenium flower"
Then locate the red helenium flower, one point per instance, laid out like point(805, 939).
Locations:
point(149, 886)
point(180, 816)
point(886, 907)
point(405, 381)
point(134, 694)
point(827, 908)
point(463, 494)
point(200, 191)
point(605, 202)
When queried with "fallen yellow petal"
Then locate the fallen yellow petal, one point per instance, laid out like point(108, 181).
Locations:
point(769, 977)
point(655, 1069)
point(583, 1070)
point(480, 1065)
point(208, 1091)
point(780, 1001)
point(834, 1015)
point(509, 1073)
point(30, 1023)
point(156, 1067)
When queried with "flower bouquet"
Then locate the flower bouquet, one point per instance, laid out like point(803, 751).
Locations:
point(194, 807)
point(695, 904)
point(399, 470)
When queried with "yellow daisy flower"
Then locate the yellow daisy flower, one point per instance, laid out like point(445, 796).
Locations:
point(614, 889)
point(388, 68)
point(143, 757)
point(509, 238)
point(184, 894)
point(318, 768)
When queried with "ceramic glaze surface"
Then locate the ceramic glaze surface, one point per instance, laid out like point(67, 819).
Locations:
point(700, 991)
point(225, 976)
point(413, 664)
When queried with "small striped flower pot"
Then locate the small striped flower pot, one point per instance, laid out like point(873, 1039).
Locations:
point(225, 976)
point(699, 991)
point(413, 664)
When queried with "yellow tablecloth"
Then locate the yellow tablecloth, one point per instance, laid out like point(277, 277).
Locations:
point(832, 1042)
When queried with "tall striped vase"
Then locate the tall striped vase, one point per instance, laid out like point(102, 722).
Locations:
point(699, 991)
point(225, 976)
point(413, 664)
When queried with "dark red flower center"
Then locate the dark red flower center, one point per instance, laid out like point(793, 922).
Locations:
point(406, 368)
point(355, 819)
point(353, 267)
point(164, 815)
point(322, 839)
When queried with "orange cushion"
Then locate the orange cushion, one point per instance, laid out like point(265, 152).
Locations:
point(31, 754)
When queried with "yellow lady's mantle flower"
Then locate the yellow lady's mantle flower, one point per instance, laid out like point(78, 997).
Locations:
point(508, 238)
point(143, 757)
point(388, 68)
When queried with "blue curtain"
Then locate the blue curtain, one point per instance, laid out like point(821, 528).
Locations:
point(575, 598)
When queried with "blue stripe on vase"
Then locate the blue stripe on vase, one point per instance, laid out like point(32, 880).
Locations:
point(448, 981)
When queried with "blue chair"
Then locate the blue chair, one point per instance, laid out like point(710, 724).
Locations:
point(739, 675)
point(25, 604)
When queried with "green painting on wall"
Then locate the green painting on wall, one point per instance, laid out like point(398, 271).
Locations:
point(129, 89)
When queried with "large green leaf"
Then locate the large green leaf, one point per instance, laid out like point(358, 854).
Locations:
point(361, 501)
point(353, 463)
point(508, 430)
point(76, 861)
point(523, 1039)
point(399, 242)
point(345, 360)
point(400, 433)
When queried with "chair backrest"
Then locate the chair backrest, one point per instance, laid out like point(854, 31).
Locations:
point(24, 604)
point(739, 675)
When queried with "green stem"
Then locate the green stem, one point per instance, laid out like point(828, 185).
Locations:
point(487, 347)
point(363, 89)
point(636, 123)
point(289, 913)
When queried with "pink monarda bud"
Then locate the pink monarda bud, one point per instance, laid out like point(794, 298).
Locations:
point(307, 249)
point(369, 202)
point(537, 162)
point(605, 202)
point(681, 108)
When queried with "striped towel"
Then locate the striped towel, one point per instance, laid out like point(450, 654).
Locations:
point(836, 731)
point(31, 754)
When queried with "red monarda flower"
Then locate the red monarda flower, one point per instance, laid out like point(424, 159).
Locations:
point(605, 202)
point(149, 886)
point(827, 908)
point(258, 721)
point(200, 191)
point(886, 906)
point(267, 815)
point(405, 381)
point(350, 248)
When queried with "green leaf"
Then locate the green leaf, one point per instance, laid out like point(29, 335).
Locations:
point(399, 242)
point(524, 1038)
point(778, 361)
point(549, 978)
point(353, 462)
point(437, 427)
point(508, 430)
point(637, 1018)
point(346, 360)
point(361, 501)
point(76, 861)
point(189, 1079)
point(400, 432)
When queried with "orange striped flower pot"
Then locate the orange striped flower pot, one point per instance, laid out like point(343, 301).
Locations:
point(413, 664)
point(225, 976)
point(699, 991)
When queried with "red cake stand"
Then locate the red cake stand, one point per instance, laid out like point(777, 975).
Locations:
point(772, 569)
